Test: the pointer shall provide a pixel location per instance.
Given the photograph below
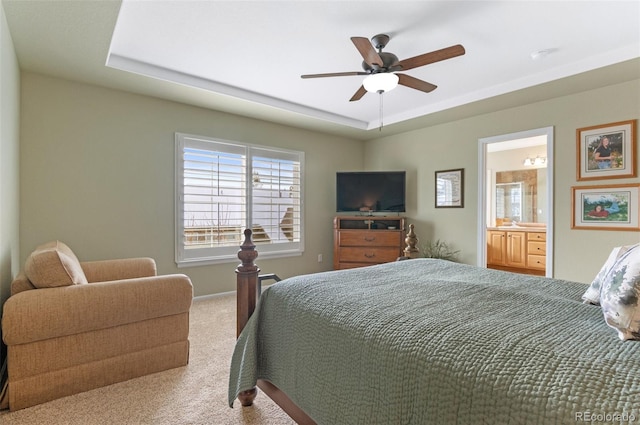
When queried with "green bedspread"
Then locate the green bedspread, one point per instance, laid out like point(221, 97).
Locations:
point(434, 342)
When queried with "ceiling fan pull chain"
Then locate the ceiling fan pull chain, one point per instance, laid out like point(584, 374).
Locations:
point(380, 128)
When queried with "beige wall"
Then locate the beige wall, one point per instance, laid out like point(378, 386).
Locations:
point(9, 183)
point(578, 254)
point(97, 172)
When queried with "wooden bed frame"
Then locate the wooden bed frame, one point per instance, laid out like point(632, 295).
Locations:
point(248, 285)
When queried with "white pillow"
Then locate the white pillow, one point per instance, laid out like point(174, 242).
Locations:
point(592, 295)
point(620, 295)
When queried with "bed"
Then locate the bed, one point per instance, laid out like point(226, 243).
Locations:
point(431, 342)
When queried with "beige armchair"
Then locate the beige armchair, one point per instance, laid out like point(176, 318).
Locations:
point(72, 326)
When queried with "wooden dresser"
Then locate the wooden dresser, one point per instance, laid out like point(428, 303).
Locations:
point(364, 241)
point(518, 250)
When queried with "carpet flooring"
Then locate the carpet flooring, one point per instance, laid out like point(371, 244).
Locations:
point(194, 394)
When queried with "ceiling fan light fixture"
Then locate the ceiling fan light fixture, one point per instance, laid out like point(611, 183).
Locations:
point(383, 81)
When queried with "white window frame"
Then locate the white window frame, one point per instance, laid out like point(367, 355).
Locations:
point(224, 254)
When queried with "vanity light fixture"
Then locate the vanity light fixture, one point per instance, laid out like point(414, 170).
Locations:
point(538, 160)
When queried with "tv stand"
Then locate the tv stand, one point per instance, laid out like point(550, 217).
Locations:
point(360, 241)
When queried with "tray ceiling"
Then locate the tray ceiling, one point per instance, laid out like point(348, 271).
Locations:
point(246, 57)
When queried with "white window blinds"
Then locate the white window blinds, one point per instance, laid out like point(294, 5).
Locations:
point(222, 186)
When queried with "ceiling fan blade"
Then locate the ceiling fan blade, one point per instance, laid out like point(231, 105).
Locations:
point(367, 51)
point(334, 74)
point(427, 58)
point(414, 83)
point(358, 95)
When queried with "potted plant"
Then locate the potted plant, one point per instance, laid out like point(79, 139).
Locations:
point(441, 250)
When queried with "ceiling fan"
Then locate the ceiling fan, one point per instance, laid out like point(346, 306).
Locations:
point(383, 65)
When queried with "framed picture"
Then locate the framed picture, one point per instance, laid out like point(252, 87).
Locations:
point(450, 188)
point(606, 151)
point(607, 207)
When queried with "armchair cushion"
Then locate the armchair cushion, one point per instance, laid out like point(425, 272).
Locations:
point(54, 264)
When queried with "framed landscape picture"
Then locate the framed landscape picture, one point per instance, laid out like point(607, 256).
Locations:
point(450, 188)
point(606, 151)
point(606, 207)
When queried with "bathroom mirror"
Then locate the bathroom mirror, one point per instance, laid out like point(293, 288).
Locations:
point(509, 202)
point(519, 197)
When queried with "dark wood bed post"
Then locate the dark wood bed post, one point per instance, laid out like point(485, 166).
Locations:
point(247, 296)
point(247, 276)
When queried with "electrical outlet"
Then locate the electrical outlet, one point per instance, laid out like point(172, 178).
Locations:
point(319, 258)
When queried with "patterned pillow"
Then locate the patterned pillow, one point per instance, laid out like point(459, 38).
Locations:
point(592, 295)
point(54, 264)
point(620, 295)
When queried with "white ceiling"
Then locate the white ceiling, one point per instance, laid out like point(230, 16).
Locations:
point(247, 57)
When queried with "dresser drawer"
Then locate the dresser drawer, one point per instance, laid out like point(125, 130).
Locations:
point(360, 241)
point(368, 255)
point(374, 238)
point(537, 262)
point(536, 236)
point(536, 248)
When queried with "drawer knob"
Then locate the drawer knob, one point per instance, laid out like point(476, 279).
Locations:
point(369, 238)
point(369, 255)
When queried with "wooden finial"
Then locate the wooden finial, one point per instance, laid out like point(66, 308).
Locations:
point(247, 254)
point(411, 240)
point(246, 281)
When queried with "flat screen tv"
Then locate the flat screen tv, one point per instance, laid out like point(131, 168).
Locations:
point(370, 191)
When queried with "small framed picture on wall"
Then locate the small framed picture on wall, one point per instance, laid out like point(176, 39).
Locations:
point(450, 188)
point(606, 207)
point(606, 151)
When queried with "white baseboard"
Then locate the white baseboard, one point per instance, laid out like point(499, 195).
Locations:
point(222, 294)
point(209, 296)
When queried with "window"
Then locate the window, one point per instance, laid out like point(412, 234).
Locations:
point(222, 186)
